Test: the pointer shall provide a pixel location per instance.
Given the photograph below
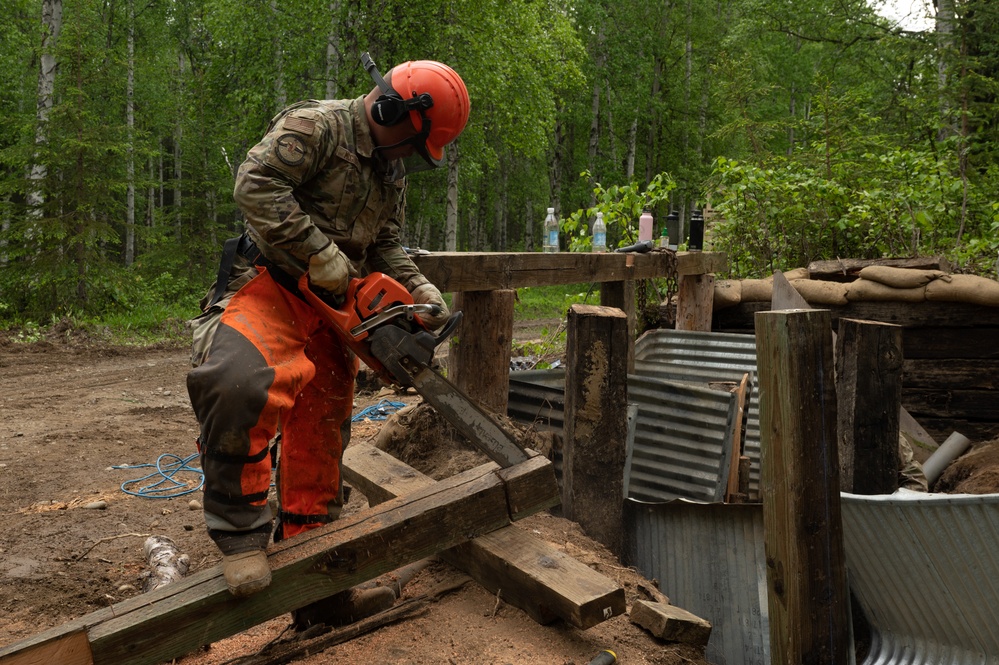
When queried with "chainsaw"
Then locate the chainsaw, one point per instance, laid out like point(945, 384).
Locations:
point(378, 320)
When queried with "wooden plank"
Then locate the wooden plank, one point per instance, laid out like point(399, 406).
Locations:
point(945, 342)
point(869, 399)
point(181, 617)
point(734, 481)
point(953, 316)
point(528, 572)
point(490, 271)
point(979, 374)
point(479, 357)
point(803, 531)
point(66, 649)
point(955, 403)
point(694, 300)
point(596, 422)
point(847, 270)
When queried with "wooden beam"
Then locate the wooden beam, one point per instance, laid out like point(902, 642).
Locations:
point(847, 270)
point(869, 399)
point(596, 422)
point(182, 617)
point(490, 271)
point(481, 350)
point(803, 530)
point(529, 573)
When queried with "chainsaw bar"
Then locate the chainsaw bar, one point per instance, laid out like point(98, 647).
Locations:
point(466, 416)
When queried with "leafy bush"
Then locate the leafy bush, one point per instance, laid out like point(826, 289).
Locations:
point(621, 205)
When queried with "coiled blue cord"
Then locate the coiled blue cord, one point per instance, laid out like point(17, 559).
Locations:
point(379, 411)
point(165, 487)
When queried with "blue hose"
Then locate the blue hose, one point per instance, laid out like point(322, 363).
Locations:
point(379, 411)
point(165, 487)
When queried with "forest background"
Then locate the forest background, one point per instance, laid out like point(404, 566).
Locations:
point(810, 129)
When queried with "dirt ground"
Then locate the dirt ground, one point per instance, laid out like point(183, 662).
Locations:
point(77, 420)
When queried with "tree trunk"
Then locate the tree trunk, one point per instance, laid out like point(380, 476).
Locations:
point(130, 150)
point(451, 216)
point(945, 55)
point(555, 182)
point(333, 48)
point(177, 155)
point(528, 226)
point(280, 96)
point(629, 162)
point(51, 26)
point(595, 118)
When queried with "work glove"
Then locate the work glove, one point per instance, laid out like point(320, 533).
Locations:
point(427, 294)
point(329, 269)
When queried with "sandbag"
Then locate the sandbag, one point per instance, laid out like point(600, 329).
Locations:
point(900, 278)
point(865, 290)
point(965, 288)
point(727, 293)
point(757, 290)
point(820, 292)
point(797, 273)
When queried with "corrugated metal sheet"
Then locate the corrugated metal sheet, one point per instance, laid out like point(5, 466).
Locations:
point(682, 433)
point(703, 357)
point(925, 569)
point(709, 560)
point(683, 441)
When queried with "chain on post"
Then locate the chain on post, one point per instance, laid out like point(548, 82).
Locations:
point(656, 308)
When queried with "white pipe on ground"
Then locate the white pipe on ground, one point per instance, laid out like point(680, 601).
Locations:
point(948, 451)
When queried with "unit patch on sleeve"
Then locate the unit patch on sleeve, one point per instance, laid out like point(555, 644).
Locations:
point(290, 149)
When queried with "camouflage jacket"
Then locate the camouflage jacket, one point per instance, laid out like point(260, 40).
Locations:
point(313, 179)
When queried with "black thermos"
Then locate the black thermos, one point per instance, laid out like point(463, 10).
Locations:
point(696, 243)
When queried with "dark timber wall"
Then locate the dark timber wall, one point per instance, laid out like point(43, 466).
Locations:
point(951, 373)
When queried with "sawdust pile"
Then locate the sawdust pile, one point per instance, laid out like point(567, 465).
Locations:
point(422, 438)
point(975, 472)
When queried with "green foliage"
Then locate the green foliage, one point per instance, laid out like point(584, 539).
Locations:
point(552, 302)
point(621, 205)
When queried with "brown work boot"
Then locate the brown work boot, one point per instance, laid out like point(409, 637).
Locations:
point(344, 608)
point(246, 573)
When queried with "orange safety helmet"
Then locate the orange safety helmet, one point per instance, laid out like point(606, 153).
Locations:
point(432, 94)
point(449, 112)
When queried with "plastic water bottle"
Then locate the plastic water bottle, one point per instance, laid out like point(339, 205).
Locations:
point(599, 234)
point(664, 238)
point(551, 232)
point(645, 226)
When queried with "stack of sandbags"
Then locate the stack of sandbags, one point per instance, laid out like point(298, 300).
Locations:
point(875, 284)
point(816, 292)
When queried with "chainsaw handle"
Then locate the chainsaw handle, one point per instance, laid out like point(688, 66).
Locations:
point(344, 319)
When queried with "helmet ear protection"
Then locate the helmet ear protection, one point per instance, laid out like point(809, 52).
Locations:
point(391, 108)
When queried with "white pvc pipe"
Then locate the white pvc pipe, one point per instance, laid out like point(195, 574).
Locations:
point(948, 451)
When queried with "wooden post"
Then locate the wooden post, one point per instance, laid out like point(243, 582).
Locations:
point(621, 295)
point(480, 360)
point(803, 530)
point(694, 301)
point(869, 397)
point(596, 422)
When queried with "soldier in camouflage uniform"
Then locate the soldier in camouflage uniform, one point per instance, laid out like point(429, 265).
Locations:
point(324, 192)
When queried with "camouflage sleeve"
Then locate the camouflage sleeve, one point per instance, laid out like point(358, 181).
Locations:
point(387, 254)
point(290, 154)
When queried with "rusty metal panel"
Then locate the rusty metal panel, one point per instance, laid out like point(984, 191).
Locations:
point(702, 358)
point(709, 560)
point(925, 570)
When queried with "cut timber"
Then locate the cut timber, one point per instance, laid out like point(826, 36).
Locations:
point(847, 270)
point(490, 271)
point(673, 624)
point(530, 573)
point(182, 617)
